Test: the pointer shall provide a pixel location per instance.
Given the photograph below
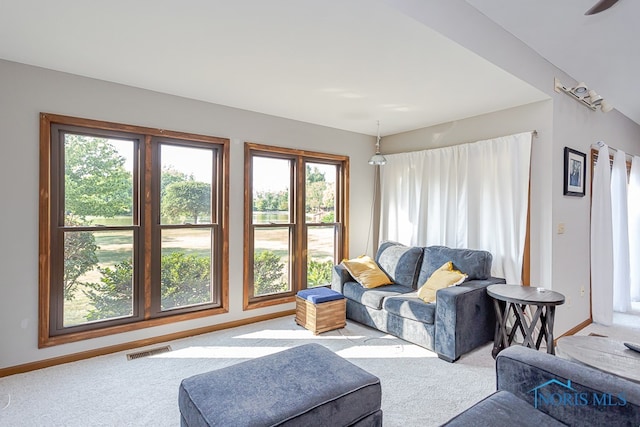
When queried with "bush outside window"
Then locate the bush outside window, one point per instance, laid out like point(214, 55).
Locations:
point(295, 221)
point(132, 227)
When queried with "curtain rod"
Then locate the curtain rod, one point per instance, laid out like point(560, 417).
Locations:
point(597, 145)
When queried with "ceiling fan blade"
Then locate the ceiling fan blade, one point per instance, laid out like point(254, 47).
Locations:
point(600, 6)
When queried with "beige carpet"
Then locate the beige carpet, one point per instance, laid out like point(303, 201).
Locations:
point(418, 389)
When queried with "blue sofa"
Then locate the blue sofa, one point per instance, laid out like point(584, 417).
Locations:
point(538, 389)
point(461, 319)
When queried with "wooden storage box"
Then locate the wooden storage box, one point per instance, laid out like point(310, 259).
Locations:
point(321, 317)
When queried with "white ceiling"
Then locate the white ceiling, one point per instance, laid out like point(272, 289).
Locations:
point(343, 64)
point(601, 50)
point(337, 63)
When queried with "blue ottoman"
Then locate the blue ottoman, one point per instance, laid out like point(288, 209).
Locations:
point(307, 385)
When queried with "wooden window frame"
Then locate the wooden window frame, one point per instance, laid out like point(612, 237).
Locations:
point(298, 252)
point(49, 334)
point(594, 159)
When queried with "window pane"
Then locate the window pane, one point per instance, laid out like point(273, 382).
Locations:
point(320, 255)
point(271, 195)
point(185, 272)
point(185, 184)
point(271, 262)
point(320, 199)
point(98, 180)
point(98, 276)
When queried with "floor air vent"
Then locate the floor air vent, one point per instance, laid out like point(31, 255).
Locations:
point(150, 352)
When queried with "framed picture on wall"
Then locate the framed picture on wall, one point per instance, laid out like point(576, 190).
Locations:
point(575, 170)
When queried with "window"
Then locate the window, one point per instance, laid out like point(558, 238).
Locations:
point(295, 221)
point(594, 159)
point(132, 228)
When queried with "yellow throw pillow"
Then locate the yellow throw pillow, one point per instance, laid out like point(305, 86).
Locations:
point(443, 277)
point(366, 272)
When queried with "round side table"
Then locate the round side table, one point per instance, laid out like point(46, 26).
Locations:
point(509, 299)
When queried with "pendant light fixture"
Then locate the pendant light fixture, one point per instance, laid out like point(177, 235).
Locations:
point(378, 159)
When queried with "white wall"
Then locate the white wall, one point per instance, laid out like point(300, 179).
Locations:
point(563, 259)
point(26, 91)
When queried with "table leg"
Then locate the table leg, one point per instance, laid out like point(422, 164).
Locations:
point(499, 337)
point(551, 311)
point(538, 316)
point(543, 328)
point(517, 324)
point(527, 329)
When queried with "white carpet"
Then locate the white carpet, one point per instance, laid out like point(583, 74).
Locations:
point(418, 389)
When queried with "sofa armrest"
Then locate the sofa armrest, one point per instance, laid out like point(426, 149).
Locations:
point(339, 276)
point(568, 391)
point(465, 318)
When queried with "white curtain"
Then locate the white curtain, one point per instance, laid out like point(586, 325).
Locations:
point(601, 241)
point(466, 196)
point(633, 198)
point(620, 228)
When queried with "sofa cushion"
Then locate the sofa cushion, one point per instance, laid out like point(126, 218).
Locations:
point(443, 277)
point(319, 295)
point(502, 409)
point(366, 272)
point(410, 306)
point(400, 262)
point(474, 263)
point(372, 297)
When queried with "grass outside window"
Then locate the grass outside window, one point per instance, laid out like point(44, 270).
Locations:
point(133, 228)
point(295, 221)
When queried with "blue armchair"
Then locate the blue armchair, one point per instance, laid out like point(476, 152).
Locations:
point(538, 389)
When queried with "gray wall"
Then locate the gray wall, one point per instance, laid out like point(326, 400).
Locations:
point(562, 260)
point(26, 91)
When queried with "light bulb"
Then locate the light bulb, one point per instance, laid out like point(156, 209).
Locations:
point(605, 106)
point(580, 90)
